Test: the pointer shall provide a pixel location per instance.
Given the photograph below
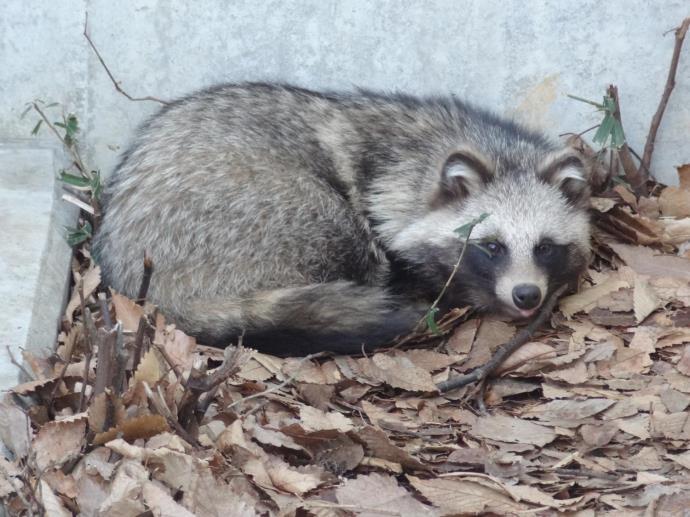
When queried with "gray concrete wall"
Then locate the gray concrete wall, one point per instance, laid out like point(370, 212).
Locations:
point(516, 56)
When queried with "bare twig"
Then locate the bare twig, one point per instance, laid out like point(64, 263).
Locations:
point(280, 386)
point(89, 336)
point(145, 279)
point(60, 379)
point(581, 133)
point(139, 342)
point(353, 508)
point(585, 473)
point(158, 403)
point(121, 358)
point(680, 33)
point(447, 284)
point(110, 75)
point(107, 360)
point(71, 148)
point(465, 244)
point(506, 350)
point(105, 311)
point(89, 209)
point(18, 365)
point(197, 385)
point(87, 367)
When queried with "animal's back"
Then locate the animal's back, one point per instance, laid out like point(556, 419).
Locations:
point(292, 216)
point(229, 191)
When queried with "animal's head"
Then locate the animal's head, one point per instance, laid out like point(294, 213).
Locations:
point(535, 238)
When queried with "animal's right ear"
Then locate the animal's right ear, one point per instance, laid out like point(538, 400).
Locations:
point(570, 172)
point(463, 173)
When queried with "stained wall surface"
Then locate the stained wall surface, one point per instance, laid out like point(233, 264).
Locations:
point(519, 58)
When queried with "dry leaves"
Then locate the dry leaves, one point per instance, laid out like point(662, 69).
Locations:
point(589, 417)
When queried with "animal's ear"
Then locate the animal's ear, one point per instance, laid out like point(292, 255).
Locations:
point(570, 172)
point(463, 172)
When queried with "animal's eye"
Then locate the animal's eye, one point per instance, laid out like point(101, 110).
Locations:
point(493, 247)
point(545, 249)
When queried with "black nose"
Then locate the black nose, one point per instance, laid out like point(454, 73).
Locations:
point(526, 296)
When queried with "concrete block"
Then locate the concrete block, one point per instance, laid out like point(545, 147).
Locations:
point(509, 55)
point(34, 256)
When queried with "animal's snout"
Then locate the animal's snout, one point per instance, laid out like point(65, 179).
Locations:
point(526, 296)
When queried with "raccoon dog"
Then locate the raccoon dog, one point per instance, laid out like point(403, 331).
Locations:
point(312, 221)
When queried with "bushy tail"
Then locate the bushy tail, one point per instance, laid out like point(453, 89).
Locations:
point(341, 317)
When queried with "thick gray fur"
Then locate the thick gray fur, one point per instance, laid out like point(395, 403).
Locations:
point(319, 221)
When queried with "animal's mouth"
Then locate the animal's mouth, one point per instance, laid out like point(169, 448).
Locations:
point(514, 314)
point(528, 313)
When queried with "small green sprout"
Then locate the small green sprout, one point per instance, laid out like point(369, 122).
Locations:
point(610, 128)
point(464, 232)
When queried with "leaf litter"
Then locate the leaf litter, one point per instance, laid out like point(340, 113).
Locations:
point(130, 416)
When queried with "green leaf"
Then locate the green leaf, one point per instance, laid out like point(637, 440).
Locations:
point(431, 321)
point(34, 131)
point(602, 134)
point(78, 235)
point(609, 104)
point(96, 185)
point(77, 181)
point(60, 124)
point(599, 106)
point(71, 125)
point(26, 110)
point(617, 135)
point(52, 104)
point(465, 230)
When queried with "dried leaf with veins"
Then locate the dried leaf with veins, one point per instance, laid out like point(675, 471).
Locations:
point(374, 495)
point(458, 496)
point(57, 442)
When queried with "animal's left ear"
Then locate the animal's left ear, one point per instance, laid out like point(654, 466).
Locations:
point(464, 171)
point(570, 172)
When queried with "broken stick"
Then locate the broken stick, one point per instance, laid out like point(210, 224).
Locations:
point(646, 161)
point(506, 350)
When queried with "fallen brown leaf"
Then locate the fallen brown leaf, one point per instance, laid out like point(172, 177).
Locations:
point(513, 430)
point(57, 442)
point(459, 496)
point(376, 494)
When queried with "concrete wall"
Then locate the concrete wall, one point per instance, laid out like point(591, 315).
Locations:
point(516, 56)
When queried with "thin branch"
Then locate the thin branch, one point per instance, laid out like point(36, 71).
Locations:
point(506, 350)
point(581, 133)
point(171, 362)
point(107, 358)
point(680, 33)
point(18, 365)
point(280, 386)
point(162, 409)
point(235, 357)
point(110, 75)
point(60, 379)
point(586, 473)
point(79, 203)
point(145, 279)
point(448, 281)
point(434, 305)
point(71, 148)
point(89, 336)
point(105, 311)
point(139, 342)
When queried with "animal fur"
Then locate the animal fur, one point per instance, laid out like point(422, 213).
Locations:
point(312, 221)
